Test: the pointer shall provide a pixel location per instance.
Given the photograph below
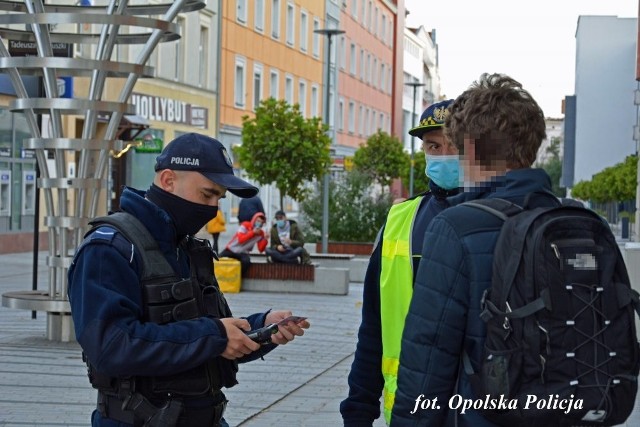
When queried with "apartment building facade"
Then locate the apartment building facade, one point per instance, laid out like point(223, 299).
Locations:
point(420, 67)
point(269, 49)
point(367, 67)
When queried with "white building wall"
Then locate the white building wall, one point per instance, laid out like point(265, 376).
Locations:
point(604, 88)
point(554, 129)
point(412, 72)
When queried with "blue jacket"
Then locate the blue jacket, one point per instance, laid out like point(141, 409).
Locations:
point(362, 406)
point(106, 304)
point(454, 272)
point(248, 208)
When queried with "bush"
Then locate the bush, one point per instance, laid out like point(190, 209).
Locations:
point(355, 215)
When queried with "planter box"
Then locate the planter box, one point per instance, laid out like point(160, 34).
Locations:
point(356, 248)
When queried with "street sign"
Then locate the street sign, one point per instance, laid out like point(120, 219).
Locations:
point(24, 48)
point(348, 163)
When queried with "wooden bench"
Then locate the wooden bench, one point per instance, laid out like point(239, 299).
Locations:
point(295, 278)
point(356, 265)
point(277, 271)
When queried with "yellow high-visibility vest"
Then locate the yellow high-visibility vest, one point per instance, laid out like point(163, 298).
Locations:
point(396, 288)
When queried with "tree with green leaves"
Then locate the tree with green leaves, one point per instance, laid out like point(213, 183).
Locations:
point(553, 166)
point(613, 184)
point(356, 215)
point(381, 157)
point(420, 179)
point(282, 147)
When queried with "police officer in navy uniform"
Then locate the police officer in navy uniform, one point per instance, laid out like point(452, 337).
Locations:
point(157, 335)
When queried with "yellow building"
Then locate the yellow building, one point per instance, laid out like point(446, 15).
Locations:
point(268, 49)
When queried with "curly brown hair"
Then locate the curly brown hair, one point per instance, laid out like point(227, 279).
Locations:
point(502, 118)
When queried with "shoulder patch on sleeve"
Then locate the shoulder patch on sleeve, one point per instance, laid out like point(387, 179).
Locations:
point(111, 236)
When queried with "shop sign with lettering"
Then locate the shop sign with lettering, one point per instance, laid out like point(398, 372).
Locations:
point(170, 110)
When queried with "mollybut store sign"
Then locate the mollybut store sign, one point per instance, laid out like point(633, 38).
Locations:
point(170, 110)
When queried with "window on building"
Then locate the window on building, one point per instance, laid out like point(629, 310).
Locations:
point(274, 84)
point(304, 30)
point(275, 19)
point(291, 24)
point(352, 117)
point(374, 29)
point(374, 72)
point(361, 119)
point(314, 101)
point(372, 124)
point(258, 16)
point(343, 52)
point(316, 37)
point(383, 28)
point(241, 11)
point(362, 64)
point(179, 46)
point(340, 114)
point(365, 12)
point(370, 16)
point(257, 85)
point(288, 89)
point(382, 77)
point(368, 69)
point(203, 53)
point(381, 122)
point(367, 128)
point(352, 59)
point(239, 84)
point(302, 97)
point(354, 9)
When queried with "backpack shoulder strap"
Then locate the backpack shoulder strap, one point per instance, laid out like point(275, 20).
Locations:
point(510, 244)
point(500, 208)
point(153, 262)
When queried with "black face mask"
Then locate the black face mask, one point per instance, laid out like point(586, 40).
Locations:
point(188, 217)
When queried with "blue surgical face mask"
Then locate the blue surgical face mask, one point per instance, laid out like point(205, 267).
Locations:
point(257, 224)
point(280, 223)
point(444, 171)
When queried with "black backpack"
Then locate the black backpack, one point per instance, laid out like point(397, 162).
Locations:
point(561, 346)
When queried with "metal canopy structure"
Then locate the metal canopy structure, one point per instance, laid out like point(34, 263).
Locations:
point(30, 28)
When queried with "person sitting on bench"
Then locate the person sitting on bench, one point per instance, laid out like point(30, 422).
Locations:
point(287, 242)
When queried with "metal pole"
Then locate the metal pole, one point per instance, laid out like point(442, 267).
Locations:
point(415, 86)
point(325, 181)
point(413, 124)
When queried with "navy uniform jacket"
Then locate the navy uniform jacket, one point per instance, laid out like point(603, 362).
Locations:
point(362, 406)
point(106, 304)
point(454, 272)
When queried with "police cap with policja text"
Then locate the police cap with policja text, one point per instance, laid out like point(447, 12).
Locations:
point(200, 153)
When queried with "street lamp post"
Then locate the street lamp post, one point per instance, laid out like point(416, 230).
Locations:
point(329, 32)
point(415, 86)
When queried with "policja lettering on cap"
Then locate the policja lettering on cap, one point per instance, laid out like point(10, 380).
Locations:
point(185, 161)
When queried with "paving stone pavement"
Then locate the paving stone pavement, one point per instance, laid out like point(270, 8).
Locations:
point(44, 383)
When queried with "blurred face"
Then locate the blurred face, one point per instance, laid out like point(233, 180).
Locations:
point(193, 187)
point(435, 144)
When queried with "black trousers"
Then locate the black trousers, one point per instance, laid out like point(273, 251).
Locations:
point(289, 257)
point(245, 259)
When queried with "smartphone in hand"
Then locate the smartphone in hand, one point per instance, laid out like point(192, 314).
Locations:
point(291, 319)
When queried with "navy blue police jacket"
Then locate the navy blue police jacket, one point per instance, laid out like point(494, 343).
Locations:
point(362, 406)
point(107, 307)
point(454, 272)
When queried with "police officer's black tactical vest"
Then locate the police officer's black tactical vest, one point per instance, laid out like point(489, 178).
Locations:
point(168, 298)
